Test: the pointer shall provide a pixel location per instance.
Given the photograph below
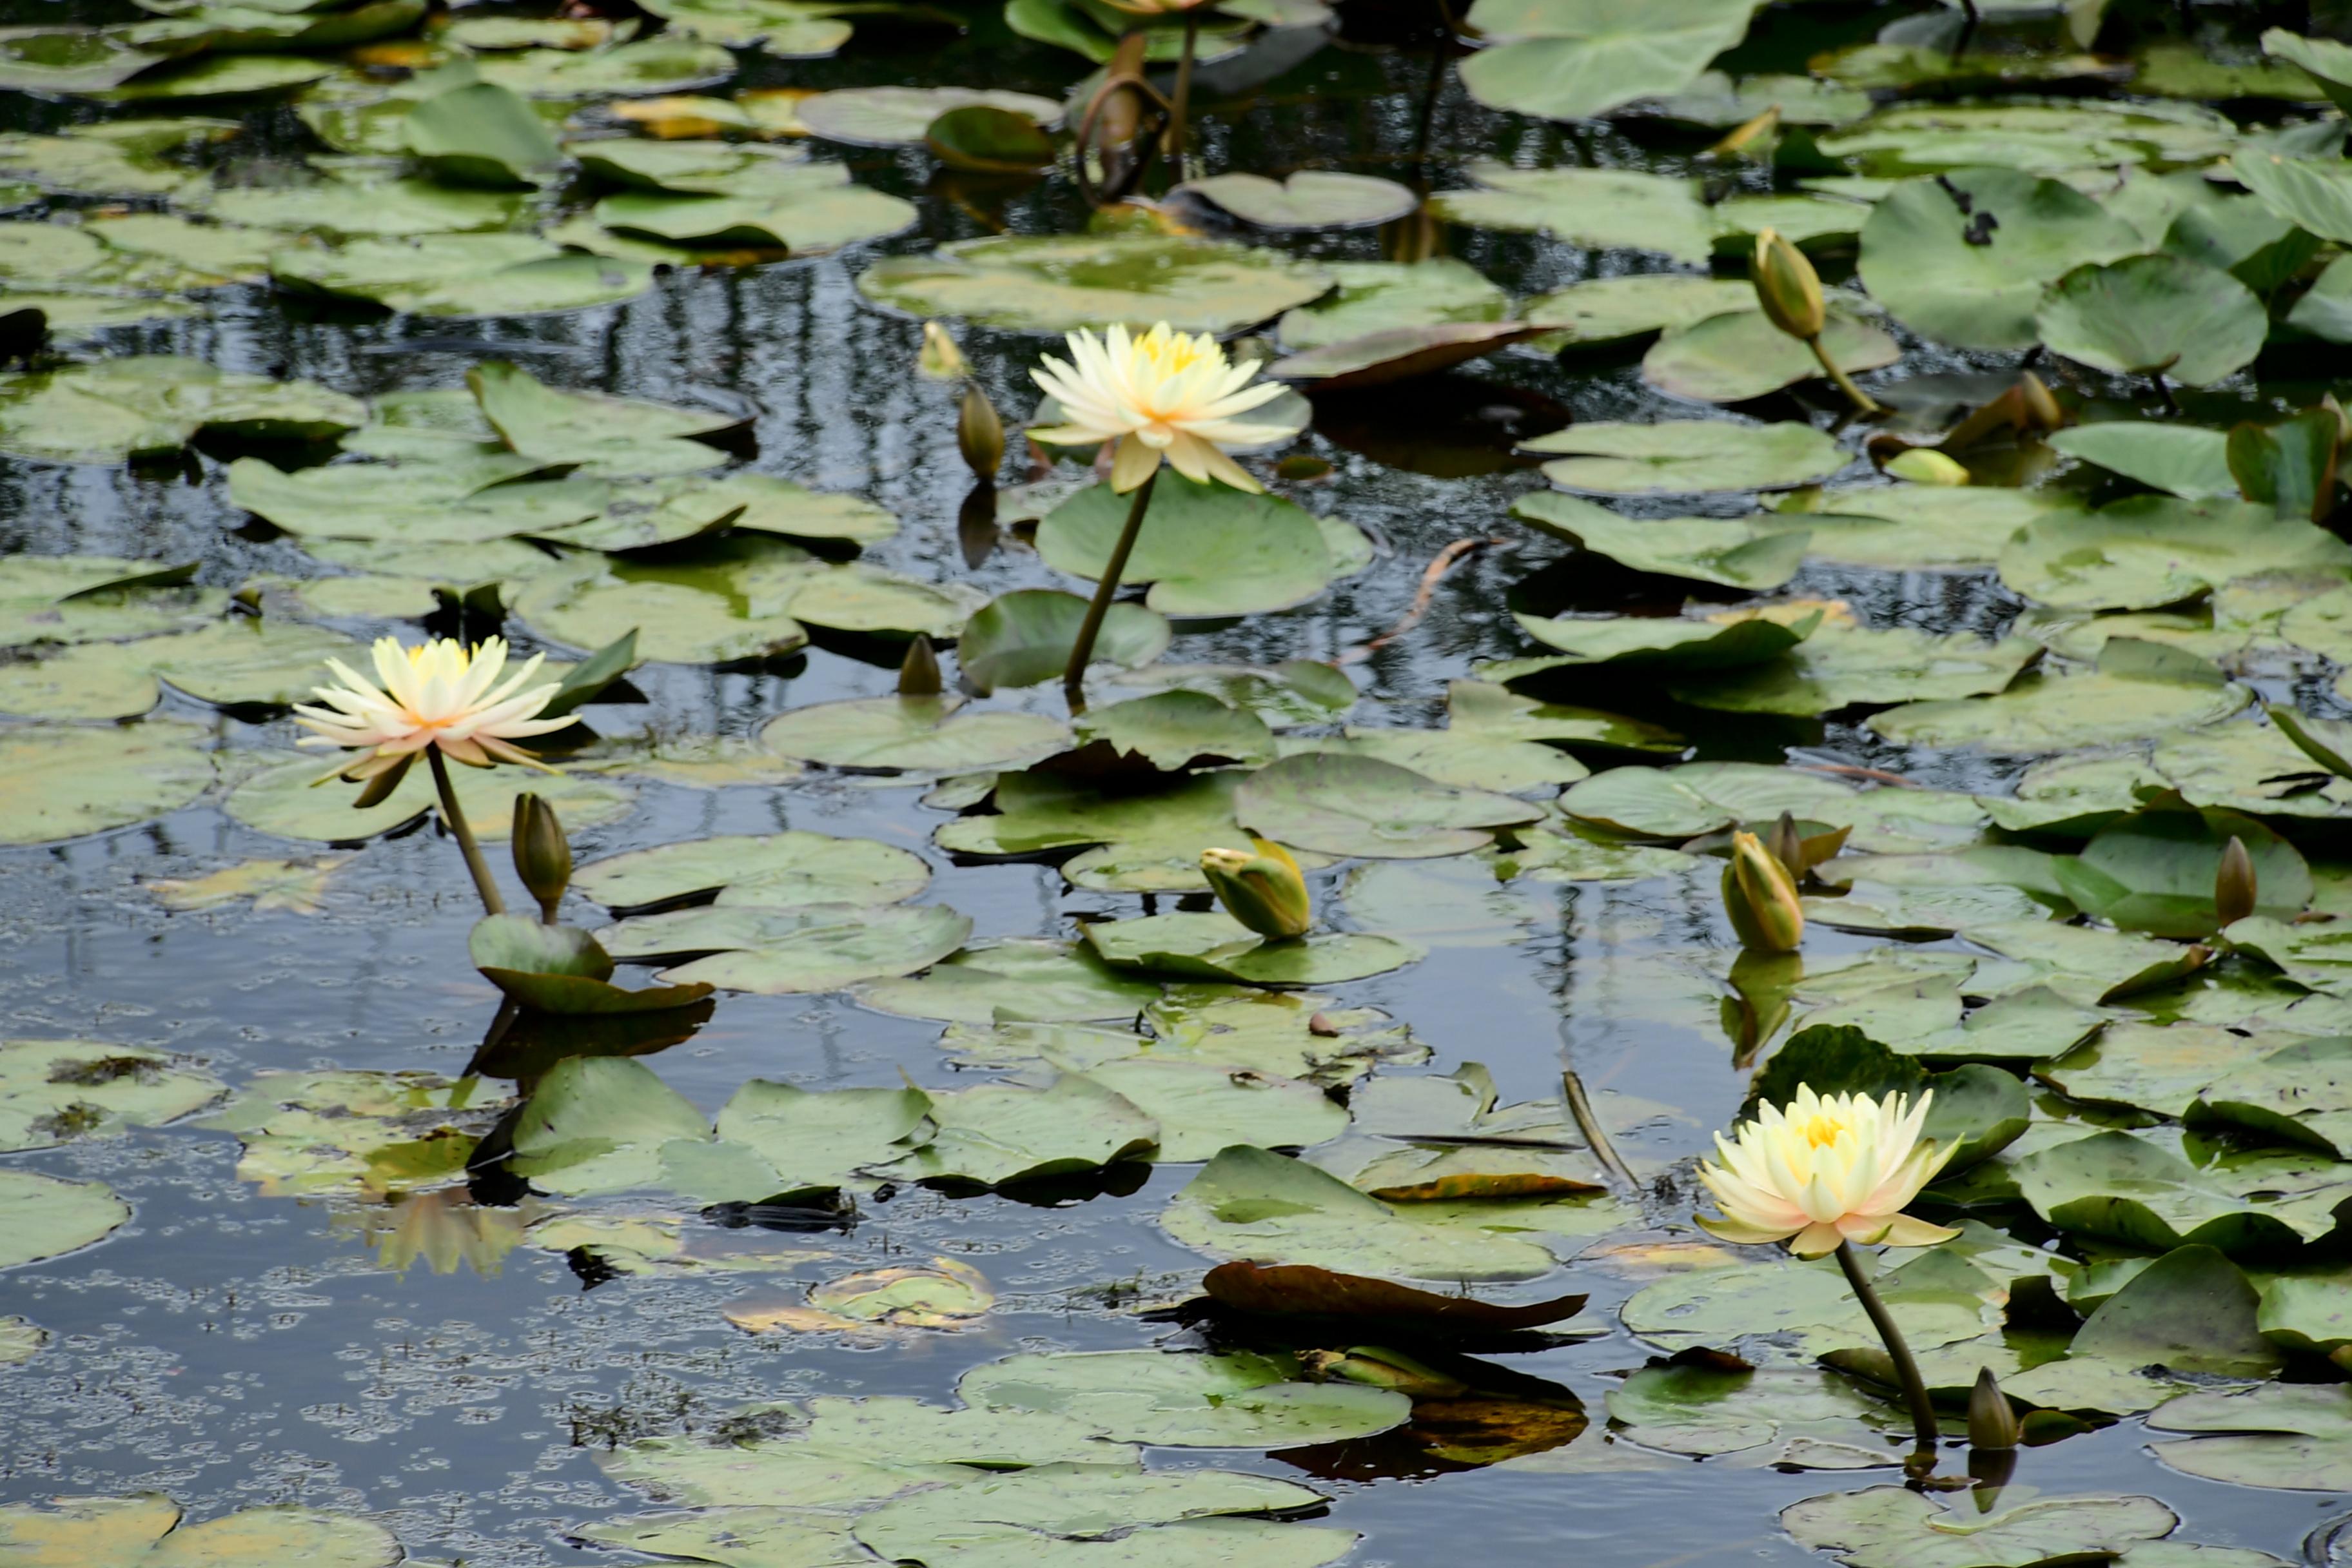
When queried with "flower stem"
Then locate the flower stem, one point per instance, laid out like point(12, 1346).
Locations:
point(1863, 402)
point(1074, 674)
point(1181, 102)
point(455, 815)
point(1915, 1389)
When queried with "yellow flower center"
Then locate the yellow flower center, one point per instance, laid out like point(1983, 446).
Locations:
point(1821, 1131)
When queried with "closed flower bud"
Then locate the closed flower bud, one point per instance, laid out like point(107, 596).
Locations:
point(1926, 466)
point(1992, 1421)
point(543, 857)
point(941, 359)
point(1788, 846)
point(1265, 891)
point(2233, 884)
point(2040, 405)
point(1753, 137)
point(1787, 287)
point(980, 434)
point(919, 672)
point(1760, 897)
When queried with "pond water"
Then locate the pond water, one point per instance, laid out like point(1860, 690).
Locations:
point(436, 1352)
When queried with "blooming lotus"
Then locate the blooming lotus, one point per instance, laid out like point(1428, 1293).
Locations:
point(1825, 1170)
point(1166, 395)
point(434, 695)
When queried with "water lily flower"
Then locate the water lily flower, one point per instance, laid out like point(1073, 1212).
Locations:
point(1166, 395)
point(1825, 1170)
point(438, 695)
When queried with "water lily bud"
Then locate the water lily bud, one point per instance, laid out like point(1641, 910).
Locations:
point(1743, 138)
point(2233, 884)
point(543, 857)
point(1787, 287)
point(1788, 846)
point(1760, 897)
point(1380, 1367)
point(1926, 466)
point(941, 359)
point(919, 672)
point(1992, 1421)
point(1264, 891)
point(2041, 404)
point(980, 434)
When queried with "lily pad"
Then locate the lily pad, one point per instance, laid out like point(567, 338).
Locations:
point(1175, 731)
point(899, 116)
point(1757, 552)
point(777, 951)
point(776, 869)
point(2182, 459)
point(1016, 978)
point(1205, 549)
point(462, 275)
point(2315, 195)
point(2154, 315)
point(1310, 199)
point(1375, 296)
point(1236, 1401)
point(1357, 806)
point(52, 1091)
point(67, 781)
point(1060, 284)
point(2121, 1188)
point(1575, 60)
point(1740, 354)
point(1663, 643)
point(145, 1528)
point(2297, 1436)
point(1023, 637)
point(1685, 457)
point(48, 1217)
point(1839, 666)
point(1889, 1527)
point(1201, 1106)
point(1701, 797)
point(1000, 1132)
point(154, 405)
point(2128, 697)
point(1397, 354)
point(280, 799)
point(1603, 209)
point(2149, 551)
point(1212, 945)
point(1615, 309)
point(1964, 257)
point(923, 735)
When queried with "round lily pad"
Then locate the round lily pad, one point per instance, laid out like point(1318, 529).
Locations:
point(1239, 1401)
point(155, 404)
point(1374, 296)
point(899, 116)
point(116, 1532)
point(1754, 552)
point(2148, 551)
point(912, 734)
point(55, 1090)
point(1205, 549)
point(776, 951)
point(281, 799)
point(1740, 354)
point(1312, 198)
point(1685, 456)
point(1612, 309)
point(2154, 315)
point(1577, 59)
point(1357, 806)
point(1014, 978)
point(1058, 283)
point(47, 1216)
point(66, 782)
point(1212, 945)
point(779, 869)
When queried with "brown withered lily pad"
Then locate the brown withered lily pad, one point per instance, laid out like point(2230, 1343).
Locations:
point(1301, 1290)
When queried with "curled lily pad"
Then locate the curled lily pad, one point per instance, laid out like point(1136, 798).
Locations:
point(1057, 283)
point(1397, 354)
point(2154, 315)
point(1212, 945)
point(1757, 553)
point(1144, 841)
point(2154, 869)
point(2122, 1188)
point(1309, 199)
point(1666, 643)
point(990, 141)
point(2183, 459)
point(2315, 195)
point(1357, 806)
point(1681, 457)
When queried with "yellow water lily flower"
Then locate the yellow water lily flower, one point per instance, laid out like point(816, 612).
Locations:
point(436, 694)
point(1824, 1170)
point(1164, 395)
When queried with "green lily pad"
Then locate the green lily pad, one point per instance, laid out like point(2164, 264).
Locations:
point(286, 799)
point(1787, 1310)
point(1889, 1527)
point(991, 140)
point(1663, 643)
point(48, 1217)
point(2160, 1067)
point(1212, 945)
point(804, 208)
point(1146, 841)
point(1576, 59)
point(1705, 1411)
point(1740, 354)
point(384, 209)
point(111, 158)
point(788, 29)
point(462, 275)
point(2043, 137)
point(68, 782)
point(447, 502)
point(2128, 697)
point(613, 437)
point(52, 1091)
point(1601, 209)
point(479, 135)
point(2154, 869)
point(1060, 1516)
point(1359, 805)
point(1964, 258)
point(646, 66)
point(1701, 797)
point(1023, 637)
point(2315, 195)
point(1241, 1400)
point(2296, 1095)
point(1919, 527)
point(1374, 296)
point(1397, 354)
point(1249, 1203)
point(1757, 552)
point(2154, 315)
point(1418, 1142)
point(2121, 1188)
point(772, 950)
point(2296, 1437)
point(1841, 666)
point(1615, 309)
point(777, 870)
point(1000, 1132)
point(1295, 691)
point(1310, 199)
point(1685, 457)
point(733, 607)
point(899, 116)
point(1277, 1032)
point(145, 1528)
point(924, 735)
point(1203, 1106)
point(115, 409)
point(1060, 284)
point(2183, 459)
point(1205, 549)
point(211, 77)
point(2148, 551)
point(1174, 731)
point(1016, 978)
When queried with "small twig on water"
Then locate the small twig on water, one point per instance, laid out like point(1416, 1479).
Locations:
point(1444, 563)
point(1581, 1107)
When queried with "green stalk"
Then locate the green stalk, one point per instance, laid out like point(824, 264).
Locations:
point(455, 815)
point(1863, 402)
point(1074, 674)
point(1180, 106)
point(1906, 1370)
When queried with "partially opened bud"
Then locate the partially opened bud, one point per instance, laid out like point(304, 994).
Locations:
point(543, 857)
point(2233, 884)
point(941, 359)
point(1377, 1367)
point(1265, 891)
point(919, 672)
point(1993, 1420)
point(1760, 897)
point(1926, 466)
point(980, 434)
point(1787, 287)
